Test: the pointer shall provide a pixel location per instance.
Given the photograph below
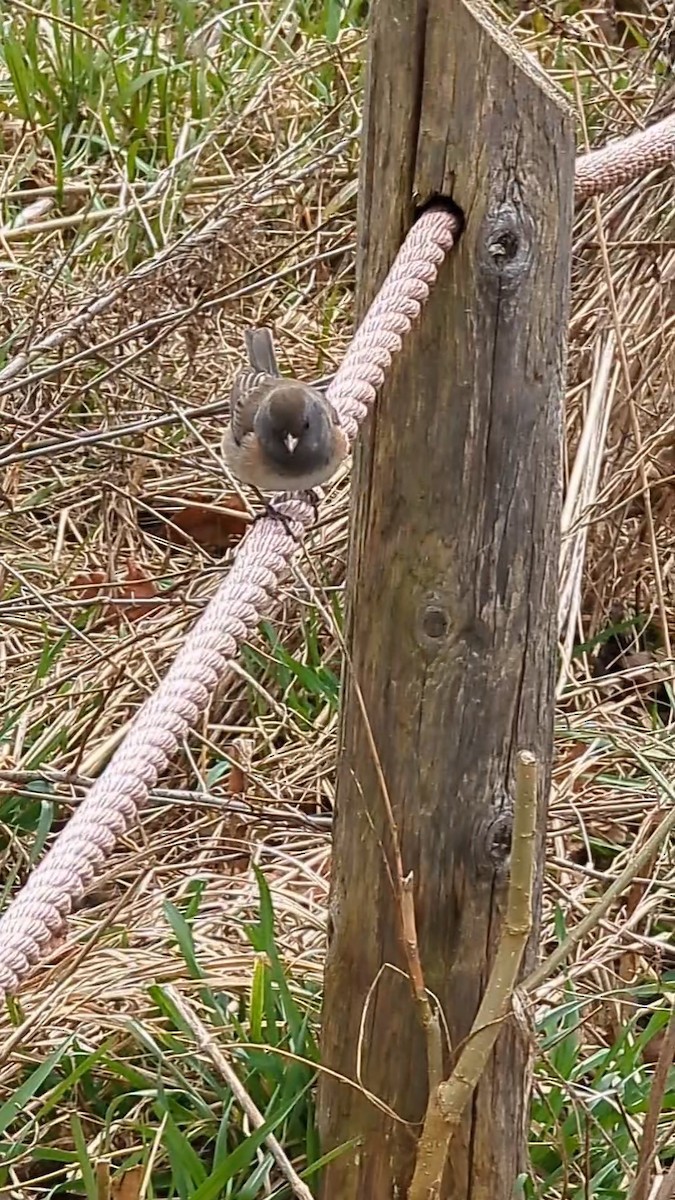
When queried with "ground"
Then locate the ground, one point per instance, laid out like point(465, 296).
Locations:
point(171, 173)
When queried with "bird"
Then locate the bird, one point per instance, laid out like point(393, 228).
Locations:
point(283, 435)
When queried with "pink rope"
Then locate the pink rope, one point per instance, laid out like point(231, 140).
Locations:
point(37, 915)
point(630, 158)
point(390, 317)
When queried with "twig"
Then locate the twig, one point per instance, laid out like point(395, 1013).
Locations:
point(448, 1102)
point(166, 322)
point(403, 885)
point(238, 805)
point(647, 1153)
point(203, 230)
point(667, 1189)
point(209, 1046)
point(589, 922)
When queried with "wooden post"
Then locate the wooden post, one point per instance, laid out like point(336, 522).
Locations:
point(452, 592)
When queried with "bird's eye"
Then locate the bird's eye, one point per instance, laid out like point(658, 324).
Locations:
point(306, 423)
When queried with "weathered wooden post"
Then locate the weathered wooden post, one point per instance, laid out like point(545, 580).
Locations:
point(452, 582)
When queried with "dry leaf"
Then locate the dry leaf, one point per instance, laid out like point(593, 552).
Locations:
point(88, 585)
point(241, 753)
point(103, 1180)
point(236, 781)
point(214, 527)
point(128, 1185)
point(137, 586)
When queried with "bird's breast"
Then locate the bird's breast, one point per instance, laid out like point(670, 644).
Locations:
point(247, 461)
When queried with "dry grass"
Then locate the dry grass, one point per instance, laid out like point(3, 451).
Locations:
point(253, 218)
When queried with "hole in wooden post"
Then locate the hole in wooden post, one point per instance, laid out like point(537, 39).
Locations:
point(446, 205)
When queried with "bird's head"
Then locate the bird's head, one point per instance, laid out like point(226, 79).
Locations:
point(294, 427)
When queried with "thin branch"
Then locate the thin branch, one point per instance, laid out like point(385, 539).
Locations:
point(403, 884)
point(448, 1102)
point(640, 1189)
point(207, 1043)
point(592, 919)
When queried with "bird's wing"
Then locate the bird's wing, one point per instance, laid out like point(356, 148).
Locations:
point(248, 389)
point(335, 416)
point(260, 350)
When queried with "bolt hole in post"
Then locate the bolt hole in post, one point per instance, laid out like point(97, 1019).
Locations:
point(437, 202)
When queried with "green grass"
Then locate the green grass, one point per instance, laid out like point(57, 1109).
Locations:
point(112, 82)
point(305, 683)
point(159, 1089)
point(587, 1103)
point(142, 92)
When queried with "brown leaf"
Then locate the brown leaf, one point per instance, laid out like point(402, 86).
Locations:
point(236, 781)
point(652, 1049)
point(214, 527)
point(128, 1185)
point(241, 753)
point(137, 586)
point(88, 585)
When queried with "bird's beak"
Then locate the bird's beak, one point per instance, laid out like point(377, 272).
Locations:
point(290, 442)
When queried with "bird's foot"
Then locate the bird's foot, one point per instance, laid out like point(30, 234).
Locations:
point(312, 498)
point(270, 510)
point(275, 514)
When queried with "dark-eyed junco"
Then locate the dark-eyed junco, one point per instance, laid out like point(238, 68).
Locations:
point(283, 436)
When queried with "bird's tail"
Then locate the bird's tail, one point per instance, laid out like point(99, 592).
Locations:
point(260, 350)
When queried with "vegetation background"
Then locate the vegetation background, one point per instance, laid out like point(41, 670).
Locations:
point(177, 170)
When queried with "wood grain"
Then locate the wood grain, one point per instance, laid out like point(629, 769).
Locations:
point(452, 590)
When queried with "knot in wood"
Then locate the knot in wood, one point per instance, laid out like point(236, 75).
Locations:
point(498, 840)
point(433, 623)
point(504, 246)
point(493, 843)
point(507, 245)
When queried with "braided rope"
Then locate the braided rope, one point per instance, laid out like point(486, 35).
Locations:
point(37, 915)
point(630, 158)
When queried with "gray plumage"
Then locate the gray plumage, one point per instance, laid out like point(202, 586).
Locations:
point(283, 434)
point(260, 350)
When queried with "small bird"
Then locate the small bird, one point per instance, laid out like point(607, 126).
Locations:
point(283, 436)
